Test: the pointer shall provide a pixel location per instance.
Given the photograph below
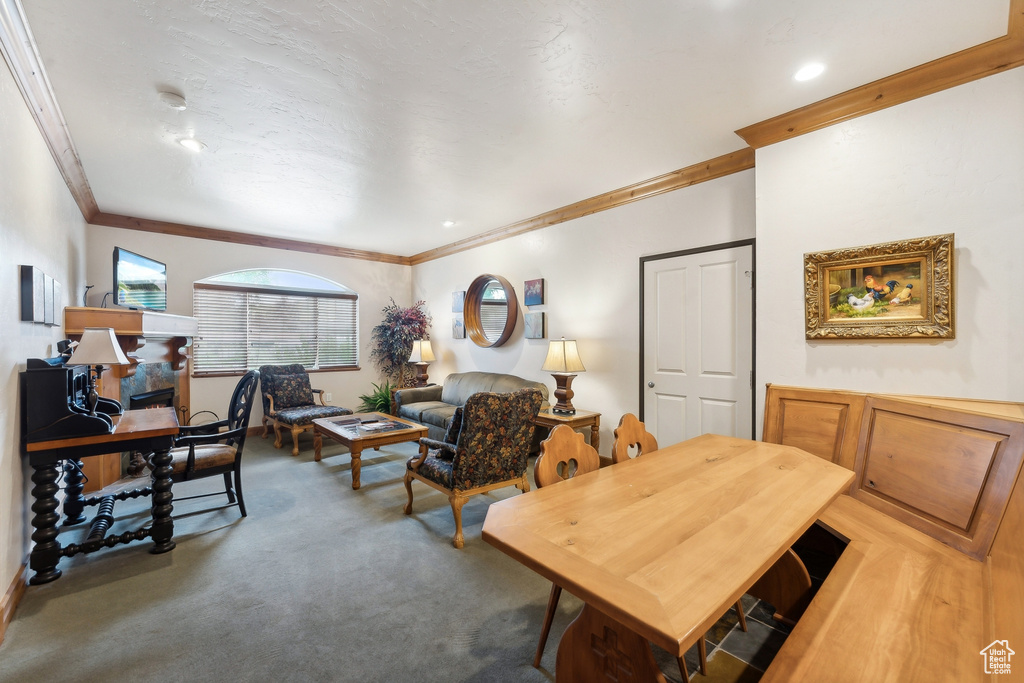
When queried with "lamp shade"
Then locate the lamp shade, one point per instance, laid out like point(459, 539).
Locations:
point(563, 356)
point(98, 347)
point(421, 352)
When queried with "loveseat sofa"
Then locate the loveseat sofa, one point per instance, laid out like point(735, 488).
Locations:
point(434, 406)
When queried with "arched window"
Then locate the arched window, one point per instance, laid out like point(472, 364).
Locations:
point(267, 316)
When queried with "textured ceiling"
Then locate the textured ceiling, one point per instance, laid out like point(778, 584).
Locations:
point(366, 124)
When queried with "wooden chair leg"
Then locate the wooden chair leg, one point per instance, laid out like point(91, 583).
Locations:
point(227, 488)
point(549, 616)
point(277, 435)
point(742, 616)
point(683, 670)
point(457, 502)
point(702, 652)
point(296, 430)
point(266, 427)
point(408, 489)
point(238, 490)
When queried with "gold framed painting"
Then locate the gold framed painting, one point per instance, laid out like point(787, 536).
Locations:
point(893, 290)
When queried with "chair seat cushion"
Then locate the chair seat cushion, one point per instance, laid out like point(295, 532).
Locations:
point(291, 391)
point(211, 455)
point(434, 468)
point(305, 415)
point(436, 413)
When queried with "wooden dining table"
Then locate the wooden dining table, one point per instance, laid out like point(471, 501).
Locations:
point(659, 547)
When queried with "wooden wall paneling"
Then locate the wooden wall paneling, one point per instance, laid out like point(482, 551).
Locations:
point(824, 422)
point(945, 472)
point(1006, 572)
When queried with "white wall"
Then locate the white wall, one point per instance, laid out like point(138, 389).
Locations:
point(41, 226)
point(591, 271)
point(191, 259)
point(950, 162)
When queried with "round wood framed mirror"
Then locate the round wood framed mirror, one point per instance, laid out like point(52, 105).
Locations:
point(491, 310)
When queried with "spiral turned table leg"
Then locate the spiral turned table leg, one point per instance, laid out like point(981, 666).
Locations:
point(163, 523)
point(74, 504)
point(46, 550)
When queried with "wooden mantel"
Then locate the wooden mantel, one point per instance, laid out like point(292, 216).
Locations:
point(145, 337)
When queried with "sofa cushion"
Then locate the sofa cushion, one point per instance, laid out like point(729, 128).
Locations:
point(415, 411)
point(459, 386)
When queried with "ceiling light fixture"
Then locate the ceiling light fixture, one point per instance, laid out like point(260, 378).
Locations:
point(809, 71)
point(173, 100)
point(192, 144)
point(448, 224)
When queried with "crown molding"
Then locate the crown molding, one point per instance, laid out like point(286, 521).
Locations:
point(740, 160)
point(992, 57)
point(18, 47)
point(181, 230)
point(19, 50)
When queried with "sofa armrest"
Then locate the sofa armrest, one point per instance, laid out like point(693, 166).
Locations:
point(404, 397)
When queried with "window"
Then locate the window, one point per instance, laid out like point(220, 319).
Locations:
point(249, 318)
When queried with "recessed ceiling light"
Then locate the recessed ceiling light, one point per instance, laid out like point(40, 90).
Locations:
point(192, 144)
point(173, 100)
point(448, 224)
point(809, 71)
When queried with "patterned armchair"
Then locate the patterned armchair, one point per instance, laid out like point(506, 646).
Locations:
point(485, 448)
point(288, 402)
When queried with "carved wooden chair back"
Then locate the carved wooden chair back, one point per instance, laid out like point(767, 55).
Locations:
point(564, 454)
point(631, 433)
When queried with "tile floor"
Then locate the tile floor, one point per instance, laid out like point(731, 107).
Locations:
point(738, 657)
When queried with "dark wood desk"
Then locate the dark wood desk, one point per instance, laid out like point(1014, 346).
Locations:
point(136, 430)
point(660, 546)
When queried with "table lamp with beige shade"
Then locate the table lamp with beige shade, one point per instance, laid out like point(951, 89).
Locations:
point(563, 362)
point(98, 347)
point(421, 356)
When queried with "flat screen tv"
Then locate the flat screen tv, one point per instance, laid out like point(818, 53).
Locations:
point(139, 282)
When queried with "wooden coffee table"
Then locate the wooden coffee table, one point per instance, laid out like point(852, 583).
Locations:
point(363, 435)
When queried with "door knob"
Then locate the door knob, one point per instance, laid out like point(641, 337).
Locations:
point(650, 385)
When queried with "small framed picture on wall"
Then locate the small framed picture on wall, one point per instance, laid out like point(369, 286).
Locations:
point(534, 323)
point(458, 301)
point(458, 328)
point(533, 292)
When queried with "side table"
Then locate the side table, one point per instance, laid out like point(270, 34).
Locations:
point(582, 418)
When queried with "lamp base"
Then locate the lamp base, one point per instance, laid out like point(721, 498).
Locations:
point(564, 393)
point(420, 380)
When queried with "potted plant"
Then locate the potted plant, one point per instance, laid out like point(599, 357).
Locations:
point(391, 341)
point(378, 400)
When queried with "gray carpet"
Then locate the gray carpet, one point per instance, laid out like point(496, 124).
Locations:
point(318, 583)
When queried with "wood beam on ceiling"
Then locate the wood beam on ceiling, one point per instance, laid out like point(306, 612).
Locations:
point(958, 68)
point(195, 232)
point(18, 47)
point(740, 160)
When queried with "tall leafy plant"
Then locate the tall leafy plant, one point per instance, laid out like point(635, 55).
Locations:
point(392, 340)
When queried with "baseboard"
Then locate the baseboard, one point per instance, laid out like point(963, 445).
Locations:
point(11, 599)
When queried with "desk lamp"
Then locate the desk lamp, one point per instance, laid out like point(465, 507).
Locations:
point(422, 355)
point(98, 347)
point(562, 362)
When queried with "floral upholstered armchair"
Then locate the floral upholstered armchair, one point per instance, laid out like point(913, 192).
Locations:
point(485, 448)
point(288, 402)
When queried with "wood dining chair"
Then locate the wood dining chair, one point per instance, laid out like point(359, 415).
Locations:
point(631, 433)
point(563, 455)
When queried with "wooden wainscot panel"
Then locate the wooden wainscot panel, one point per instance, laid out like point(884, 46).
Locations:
point(945, 472)
point(823, 422)
point(1006, 572)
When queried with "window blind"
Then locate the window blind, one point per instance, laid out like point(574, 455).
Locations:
point(242, 328)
